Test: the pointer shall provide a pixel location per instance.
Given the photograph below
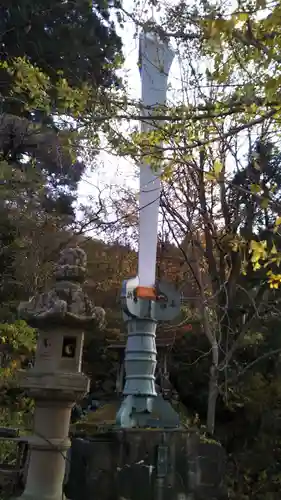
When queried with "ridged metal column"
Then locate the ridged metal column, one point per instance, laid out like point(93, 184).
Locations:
point(140, 358)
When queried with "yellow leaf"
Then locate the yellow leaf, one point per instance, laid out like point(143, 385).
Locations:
point(234, 246)
point(258, 251)
point(258, 245)
point(217, 167)
point(274, 279)
point(210, 176)
point(278, 221)
point(264, 203)
point(213, 29)
point(273, 250)
point(242, 16)
point(255, 188)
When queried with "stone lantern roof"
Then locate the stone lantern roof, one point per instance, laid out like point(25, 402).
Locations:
point(66, 304)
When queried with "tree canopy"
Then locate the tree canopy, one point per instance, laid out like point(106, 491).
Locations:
point(76, 40)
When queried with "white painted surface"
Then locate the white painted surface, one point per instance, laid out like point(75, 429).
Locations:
point(155, 62)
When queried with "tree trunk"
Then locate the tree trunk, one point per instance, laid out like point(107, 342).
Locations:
point(214, 372)
point(213, 390)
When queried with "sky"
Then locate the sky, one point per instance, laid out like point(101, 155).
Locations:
point(113, 171)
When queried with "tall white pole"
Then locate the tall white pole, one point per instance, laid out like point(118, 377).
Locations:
point(155, 59)
point(142, 300)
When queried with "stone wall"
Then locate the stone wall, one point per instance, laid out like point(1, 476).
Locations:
point(145, 465)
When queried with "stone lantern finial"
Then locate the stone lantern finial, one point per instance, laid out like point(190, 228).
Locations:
point(65, 304)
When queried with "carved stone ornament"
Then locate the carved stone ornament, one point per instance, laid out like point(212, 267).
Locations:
point(66, 304)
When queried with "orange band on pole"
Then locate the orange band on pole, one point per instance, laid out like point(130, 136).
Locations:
point(146, 292)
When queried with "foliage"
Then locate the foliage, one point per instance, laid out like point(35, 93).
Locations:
point(244, 46)
point(17, 343)
point(47, 97)
point(18, 335)
point(55, 90)
point(17, 418)
point(88, 49)
point(30, 236)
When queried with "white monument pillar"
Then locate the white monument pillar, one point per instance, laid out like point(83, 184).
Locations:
point(155, 59)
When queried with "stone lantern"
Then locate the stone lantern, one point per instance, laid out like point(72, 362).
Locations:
point(61, 315)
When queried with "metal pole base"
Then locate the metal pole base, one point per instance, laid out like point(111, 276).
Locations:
point(142, 407)
point(157, 413)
